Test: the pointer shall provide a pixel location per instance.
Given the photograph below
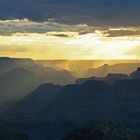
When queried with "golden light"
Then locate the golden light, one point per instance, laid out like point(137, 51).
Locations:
point(69, 45)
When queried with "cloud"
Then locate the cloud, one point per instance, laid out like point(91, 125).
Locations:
point(52, 40)
point(8, 27)
point(75, 46)
point(94, 12)
point(26, 26)
point(123, 31)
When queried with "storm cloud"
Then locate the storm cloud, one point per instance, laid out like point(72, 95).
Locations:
point(94, 12)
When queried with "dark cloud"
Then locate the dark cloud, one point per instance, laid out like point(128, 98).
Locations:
point(61, 35)
point(96, 12)
point(8, 27)
point(51, 28)
point(122, 32)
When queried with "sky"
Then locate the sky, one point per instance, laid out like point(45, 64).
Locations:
point(59, 29)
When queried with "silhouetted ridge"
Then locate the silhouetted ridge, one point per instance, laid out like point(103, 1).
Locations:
point(83, 80)
point(35, 102)
point(96, 86)
point(4, 60)
point(46, 85)
point(19, 77)
point(128, 86)
point(51, 111)
point(109, 79)
point(58, 109)
point(20, 72)
point(102, 71)
point(115, 77)
point(135, 74)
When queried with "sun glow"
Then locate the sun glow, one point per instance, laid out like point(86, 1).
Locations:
point(70, 45)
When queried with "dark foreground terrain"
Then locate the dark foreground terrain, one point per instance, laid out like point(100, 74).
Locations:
point(91, 109)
